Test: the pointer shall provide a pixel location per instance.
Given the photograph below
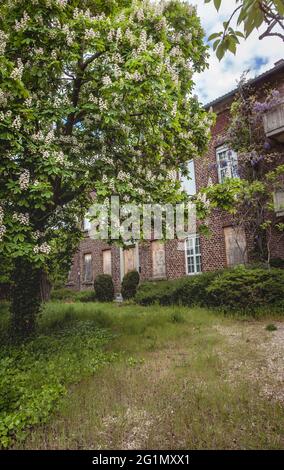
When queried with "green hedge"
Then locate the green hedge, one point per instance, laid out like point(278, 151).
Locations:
point(130, 284)
point(238, 289)
point(247, 289)
point(86, 296)
point(63, 294)
point(104, 288)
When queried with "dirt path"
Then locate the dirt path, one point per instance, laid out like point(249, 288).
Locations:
point(265, 364)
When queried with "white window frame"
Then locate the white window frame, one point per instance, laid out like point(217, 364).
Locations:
point(231, 167)
point(193, 237)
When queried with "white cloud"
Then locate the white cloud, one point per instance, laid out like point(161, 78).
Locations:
point(252, 54)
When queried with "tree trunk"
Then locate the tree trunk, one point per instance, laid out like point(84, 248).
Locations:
point(45, 287)
point(25, 298)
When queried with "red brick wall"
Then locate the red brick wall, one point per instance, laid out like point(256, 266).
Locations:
point(213, 248)
point(96, 248)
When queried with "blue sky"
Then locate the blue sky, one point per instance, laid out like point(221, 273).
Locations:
point(253, 54)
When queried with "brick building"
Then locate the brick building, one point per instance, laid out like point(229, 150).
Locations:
point(227, 246)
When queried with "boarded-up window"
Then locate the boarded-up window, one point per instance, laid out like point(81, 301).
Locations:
point(88, 268)
point(107, 262)
point(129, 260)
point(236, 247)
point(158, 259)
point(279, 203)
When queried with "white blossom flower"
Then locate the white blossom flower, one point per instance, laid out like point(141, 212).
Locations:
point(159, 49)
point(162, 24)
point(16, 124)
point(28, 102)
point(43, 248)
point(70, 35)
point(143, 42)
point(91, 34)
point(140, 14)
point(59, 157)
point(18, 71)
point(3, 42)
point(118, 34)
point(102, 105)
point(3, 98)
point(22, 24)
point(39, 51)
point(24, 219)
point(106, 80)
point(24, 179)
point(2, 231)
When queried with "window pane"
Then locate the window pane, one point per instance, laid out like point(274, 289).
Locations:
point(227, 164)
point(193, 254)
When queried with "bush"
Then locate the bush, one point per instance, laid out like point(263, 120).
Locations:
point(239, 289)
point(63, 294)
point(277, 263)
point(161, 292)
point(86, 296)
point(189, 291)
point(104, 288)
point(129, 285)
point(247, 289)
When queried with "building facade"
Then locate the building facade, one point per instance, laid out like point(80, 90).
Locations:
point(228, 244)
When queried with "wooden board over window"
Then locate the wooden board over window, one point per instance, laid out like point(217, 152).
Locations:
point(88, 267)
point(107, 262)
point(236, 246)
point(279, 202)
point(158, 259)
point(129, 260)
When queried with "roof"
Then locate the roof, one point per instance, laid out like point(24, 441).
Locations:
point(277, 67)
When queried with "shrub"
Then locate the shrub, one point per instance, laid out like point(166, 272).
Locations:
point(188, 291)
point(194, 290)
point(246, 289)
point(130, 284)
point(277, 263)
point(161, 292)
point(239, 289)
point(86, 296)
point(63, 294)
point(104, 288)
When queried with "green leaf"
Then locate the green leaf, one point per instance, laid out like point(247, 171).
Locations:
point(214, 36)
point(279, 4)
point(217, 4)
point(220, 52)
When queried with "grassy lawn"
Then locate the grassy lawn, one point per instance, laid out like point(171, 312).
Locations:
point(130, 377)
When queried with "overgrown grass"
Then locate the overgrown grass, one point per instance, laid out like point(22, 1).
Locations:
point(174, 383)
point(35, 375)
